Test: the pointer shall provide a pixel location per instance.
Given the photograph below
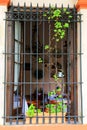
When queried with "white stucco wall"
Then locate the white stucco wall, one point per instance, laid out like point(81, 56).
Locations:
point(2, 44)
point(84, 62)
point(46, 2)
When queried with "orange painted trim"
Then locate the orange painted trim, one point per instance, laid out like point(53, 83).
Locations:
point(81, 4)
point(45, 127)
point(4, 2)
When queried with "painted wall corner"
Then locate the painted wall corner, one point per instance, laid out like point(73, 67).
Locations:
point(4, 2)
point(81, 4)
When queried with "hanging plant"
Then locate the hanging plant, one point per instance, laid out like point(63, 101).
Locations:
point(59, 21)
point(59, 24)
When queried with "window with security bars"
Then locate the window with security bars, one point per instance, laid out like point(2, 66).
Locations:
point(41, 74)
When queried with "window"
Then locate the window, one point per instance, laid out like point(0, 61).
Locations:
point(42, 83)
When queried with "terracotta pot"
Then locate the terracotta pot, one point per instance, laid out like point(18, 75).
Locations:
point(53, 102)
point(35, 103)
point(58, 92)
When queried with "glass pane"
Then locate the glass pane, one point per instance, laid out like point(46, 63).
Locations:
point(17, 52)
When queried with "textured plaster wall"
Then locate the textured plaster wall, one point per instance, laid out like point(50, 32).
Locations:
point(46, 2)
point(2, 44)
point(84, 62)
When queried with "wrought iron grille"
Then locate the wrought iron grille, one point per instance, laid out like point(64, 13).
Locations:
point(41, 73)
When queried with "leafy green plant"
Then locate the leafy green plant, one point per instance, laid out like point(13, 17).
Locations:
point(59, 21)
point(32, 110)
point(59, 27)
point(55, 108)
point(46, 47)
point(55, 77)
point(51, 108)
point(58, 89)
point(40, 60)
point(51, 93)
point(38, 111)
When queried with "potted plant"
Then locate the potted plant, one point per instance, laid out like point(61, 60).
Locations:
point(32, 110)
point(58, 90)
point(50, 108)
point(51, 95)
point(56, 108)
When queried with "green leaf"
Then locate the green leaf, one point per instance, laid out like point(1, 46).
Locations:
point(48, 18)
point(44, 14)
point(57, 40)
point(55, 35)
point(64, 9)
point(55, 30)
point(68, 21)
point(58, 25)
point(55, 77)
point(40, 60)
point(59, 89)
point(67, 12)
point(57, 13)
point(59, 30)
point(61, 37)
point(62, 32)
point(47, 47)
point(60, 96)
point(38, 110)
point(66, 25)
point(70, 16)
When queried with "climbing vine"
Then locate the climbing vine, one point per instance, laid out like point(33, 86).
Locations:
point(61, 19)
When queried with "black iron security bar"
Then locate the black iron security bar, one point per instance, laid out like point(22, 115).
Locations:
point(35, 73)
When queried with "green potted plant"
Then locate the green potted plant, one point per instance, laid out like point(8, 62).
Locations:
point(56, 108)
point(51, 95)
point(58, 90)
point(50, 108)
point(32, 110)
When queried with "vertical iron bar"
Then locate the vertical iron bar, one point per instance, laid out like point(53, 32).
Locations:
point(56, 67)
point(49, 62)
point(12, 67)
point(62, 83)
point(37, 48)
point(18, 10)
point(74, 63)
point(30, 51)
point(17, 66)
point(24, 73)
point(43, 31)
point(31, 56)
point(13, 28)
point(62, 55)
point(68, 75)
